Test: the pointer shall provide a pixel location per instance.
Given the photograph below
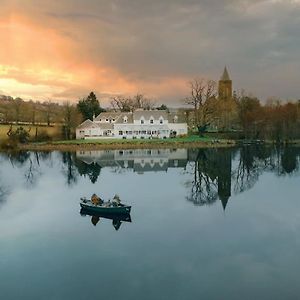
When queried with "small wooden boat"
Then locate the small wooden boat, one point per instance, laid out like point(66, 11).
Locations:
point(106, 207)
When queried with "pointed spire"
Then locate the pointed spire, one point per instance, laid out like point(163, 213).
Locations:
point(224, 201)
point(225, 76)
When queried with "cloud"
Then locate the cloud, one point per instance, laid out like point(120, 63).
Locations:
point(153, 47)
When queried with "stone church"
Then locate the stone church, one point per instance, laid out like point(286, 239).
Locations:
point(225, 86)
point(225, 110)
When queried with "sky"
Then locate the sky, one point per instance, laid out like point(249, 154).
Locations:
point(61, 50)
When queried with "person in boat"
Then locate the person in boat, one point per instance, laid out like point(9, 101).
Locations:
point(116, 201)
point(96, 200)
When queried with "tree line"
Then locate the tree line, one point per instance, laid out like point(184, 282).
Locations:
point(67, 116)
point(244, 114)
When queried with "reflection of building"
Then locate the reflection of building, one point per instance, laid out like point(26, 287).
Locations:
point(212, 175)
point(140, 160)
point(139, 124)
point(224, 176)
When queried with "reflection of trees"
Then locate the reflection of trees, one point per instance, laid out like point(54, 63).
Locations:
point(18, 158)
point(254, 160)
point(290, 160)
point(202, 187)
point(30, 161)
point(91, 170)
point(69, 169)
point(33, 170)
point(248, 170)
point(213, 170)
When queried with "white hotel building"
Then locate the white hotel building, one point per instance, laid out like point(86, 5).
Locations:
point(140, 124)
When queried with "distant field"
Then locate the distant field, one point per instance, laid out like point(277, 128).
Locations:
point(51, 130)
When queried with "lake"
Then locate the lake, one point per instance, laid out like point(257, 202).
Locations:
point(204, 224)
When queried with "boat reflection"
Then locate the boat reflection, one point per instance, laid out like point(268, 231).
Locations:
point(117, 219)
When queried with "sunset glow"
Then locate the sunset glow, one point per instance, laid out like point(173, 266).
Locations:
point(64, 51)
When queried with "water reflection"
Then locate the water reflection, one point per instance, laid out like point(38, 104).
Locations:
point(209, 174)
point(140, 161)
point(214, 173)
point(117, 219)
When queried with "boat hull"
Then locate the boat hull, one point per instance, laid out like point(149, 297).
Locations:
point(106, 210)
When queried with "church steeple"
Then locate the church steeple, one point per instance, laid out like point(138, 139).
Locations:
point(225, 76)
point(225, 85)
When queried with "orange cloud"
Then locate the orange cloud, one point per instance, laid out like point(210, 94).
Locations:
point(44, 62)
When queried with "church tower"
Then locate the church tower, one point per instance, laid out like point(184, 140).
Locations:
point(225, 86)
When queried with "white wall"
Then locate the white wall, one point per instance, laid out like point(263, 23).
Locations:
point(180, 128)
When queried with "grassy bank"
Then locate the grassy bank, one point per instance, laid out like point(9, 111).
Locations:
point(51, 131)
point(73, 145)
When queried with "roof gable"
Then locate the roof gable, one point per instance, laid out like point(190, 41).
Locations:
point(150, 114)
point(87, 124)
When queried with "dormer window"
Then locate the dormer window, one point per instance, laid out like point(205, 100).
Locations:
point(125, 119)
point(161, 121)
point(175, 119)
point(151, 121)
point(142, 121)
point(106, 120)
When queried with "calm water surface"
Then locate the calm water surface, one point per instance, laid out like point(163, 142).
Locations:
point(209, 224)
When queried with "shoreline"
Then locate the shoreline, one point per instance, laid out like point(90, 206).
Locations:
point(124, 145)
point(74, 145)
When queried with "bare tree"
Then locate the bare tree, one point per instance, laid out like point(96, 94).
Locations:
point(121, 103)
point(139, 101)
point(201, 92)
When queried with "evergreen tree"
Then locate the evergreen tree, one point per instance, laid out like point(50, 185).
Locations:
point(89, 106)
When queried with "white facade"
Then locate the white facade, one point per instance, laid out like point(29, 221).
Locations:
point(137, 125)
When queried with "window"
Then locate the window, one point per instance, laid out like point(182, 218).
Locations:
point(114, 120)
point(151, 121)
point(149, 132)
point(106, 120)
point(142, 121)
point(120, 132)
point(161, 121)
point(125, 119)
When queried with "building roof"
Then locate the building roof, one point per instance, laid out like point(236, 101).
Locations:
point(87, 124)
point(147, 114)
point(225, 76)
point(120, 118)
point(107, 115)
